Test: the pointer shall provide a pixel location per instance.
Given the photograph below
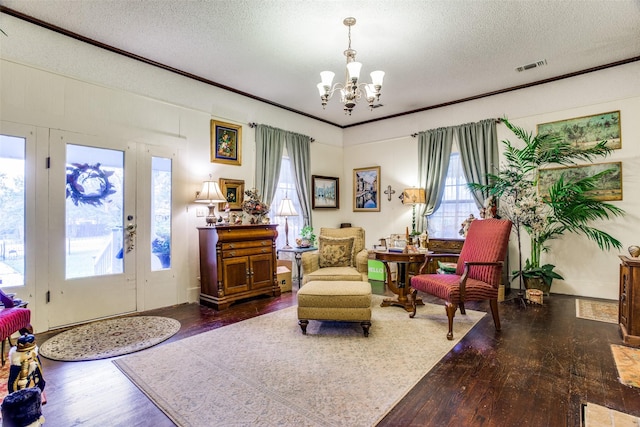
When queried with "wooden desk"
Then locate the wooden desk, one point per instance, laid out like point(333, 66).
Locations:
point(400, 286)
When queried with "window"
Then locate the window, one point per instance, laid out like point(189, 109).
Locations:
point(12, 210)
point(286, 188)
point(457, 203)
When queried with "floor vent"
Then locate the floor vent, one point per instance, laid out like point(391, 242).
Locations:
point(532, 65)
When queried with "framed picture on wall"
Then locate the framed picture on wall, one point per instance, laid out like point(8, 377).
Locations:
point(366, 189)
point(587, 131)
point(609, 186)
point(226, 143)
point(326, 192)
point(233, 190)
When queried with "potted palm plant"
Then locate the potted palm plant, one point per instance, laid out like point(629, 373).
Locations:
point(568, 208)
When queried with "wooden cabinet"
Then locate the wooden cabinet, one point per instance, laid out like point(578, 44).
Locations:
point(629, 307)
point(443, 246)
point(237, 262)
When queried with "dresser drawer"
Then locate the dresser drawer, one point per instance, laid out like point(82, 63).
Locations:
point(246, 252)
point(247, 244)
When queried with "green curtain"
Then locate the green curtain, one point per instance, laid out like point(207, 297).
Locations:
point(270, 144)
point(434, 150)
point(299, 149)
point(478, 144)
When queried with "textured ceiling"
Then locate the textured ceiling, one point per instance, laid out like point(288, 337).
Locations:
point(433, 52)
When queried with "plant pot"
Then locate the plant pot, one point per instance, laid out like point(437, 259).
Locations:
point(165, 259)
point(536, 283)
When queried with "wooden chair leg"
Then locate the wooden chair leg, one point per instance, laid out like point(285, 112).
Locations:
point(365, 327)
point(451, 312)
point(494, 312)
point(414, 296)
point(461, 305)
point(303, 325)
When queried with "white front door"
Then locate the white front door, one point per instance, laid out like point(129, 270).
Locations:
point(92, 228)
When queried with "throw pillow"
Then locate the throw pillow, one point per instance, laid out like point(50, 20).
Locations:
point(335, 251)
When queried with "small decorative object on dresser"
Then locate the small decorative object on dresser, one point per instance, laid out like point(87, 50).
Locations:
point(634, 251)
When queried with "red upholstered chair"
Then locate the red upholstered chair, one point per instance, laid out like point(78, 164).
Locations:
point(478, 273)
point(12, 319)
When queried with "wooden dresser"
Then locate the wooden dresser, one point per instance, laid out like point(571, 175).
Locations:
point(629, 307)
point(237, 262)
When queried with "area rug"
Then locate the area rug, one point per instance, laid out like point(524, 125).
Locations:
point(263, 371)
point(628, 363)
point(109, 338)
point(599, 416)
point(602, 311)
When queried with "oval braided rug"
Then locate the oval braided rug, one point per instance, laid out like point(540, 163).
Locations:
point(109, 338)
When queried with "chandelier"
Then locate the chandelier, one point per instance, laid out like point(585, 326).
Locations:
point(351, 91)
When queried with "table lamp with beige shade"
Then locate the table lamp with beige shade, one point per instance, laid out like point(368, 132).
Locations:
point(414, 196)
point(210, 194)
point(286, 210)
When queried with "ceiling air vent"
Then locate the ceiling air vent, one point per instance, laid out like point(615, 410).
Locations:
point(532, 65)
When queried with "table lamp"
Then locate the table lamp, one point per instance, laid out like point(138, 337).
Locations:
point(286, 210)
point(413, 196)
point(210, 194)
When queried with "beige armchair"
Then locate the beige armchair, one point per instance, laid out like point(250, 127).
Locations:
point(341, 255)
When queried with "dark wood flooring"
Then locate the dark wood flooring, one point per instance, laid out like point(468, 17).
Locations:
point(538, 371)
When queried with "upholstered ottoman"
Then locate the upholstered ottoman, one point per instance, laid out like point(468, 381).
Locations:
point(345, 301)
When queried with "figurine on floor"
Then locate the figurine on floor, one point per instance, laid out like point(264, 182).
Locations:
point(25, 370)
point(23, 408)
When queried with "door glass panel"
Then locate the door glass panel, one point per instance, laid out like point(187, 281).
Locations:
point(160, 213)
point(94, 211)
point(12, 210)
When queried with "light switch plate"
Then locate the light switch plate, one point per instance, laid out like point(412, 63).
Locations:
point(201, 212)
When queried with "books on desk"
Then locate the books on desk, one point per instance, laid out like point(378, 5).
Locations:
point(396, 250)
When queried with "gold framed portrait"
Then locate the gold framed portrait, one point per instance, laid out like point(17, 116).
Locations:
point(226, 143)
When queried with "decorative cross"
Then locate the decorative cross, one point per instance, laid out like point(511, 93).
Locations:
point(389, 192)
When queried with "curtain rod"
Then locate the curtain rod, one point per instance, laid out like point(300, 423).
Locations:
point(254, 124)
point(413, 135)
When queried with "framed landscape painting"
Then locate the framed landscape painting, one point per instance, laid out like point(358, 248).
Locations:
point(366, 189)
point(233, 190)
point(326, 192)
point(609, 188)
point(226, 143)
point(587, 131)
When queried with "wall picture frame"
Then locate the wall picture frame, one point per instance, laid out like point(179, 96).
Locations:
point(587, 131)
point(608, 189)
point(226, 143)
point(326, 192)
point(366, 189)
point(233, 189)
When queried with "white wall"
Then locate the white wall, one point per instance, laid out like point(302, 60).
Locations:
point(587, 270)
point(54, 82)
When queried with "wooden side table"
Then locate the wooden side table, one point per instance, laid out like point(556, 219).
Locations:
point(400, 286)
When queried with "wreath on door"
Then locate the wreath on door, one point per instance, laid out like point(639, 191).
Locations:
point(88, 184)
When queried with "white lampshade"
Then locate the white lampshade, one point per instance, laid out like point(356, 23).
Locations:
point(326, 77)
point(286, 208)
point(377, 77)
point(210, 193)
point(354, 70)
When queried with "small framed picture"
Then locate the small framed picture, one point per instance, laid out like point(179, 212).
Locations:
point(233, 189)
point(326, 192)
point(226, 143)
point(366, 189)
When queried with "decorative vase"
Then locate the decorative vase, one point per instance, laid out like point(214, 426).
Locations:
point(634, 251)
point(536, 283)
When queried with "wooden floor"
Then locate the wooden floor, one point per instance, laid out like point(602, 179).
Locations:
point(538, 371)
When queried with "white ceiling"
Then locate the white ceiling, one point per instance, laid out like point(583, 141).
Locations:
point(433, 52)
